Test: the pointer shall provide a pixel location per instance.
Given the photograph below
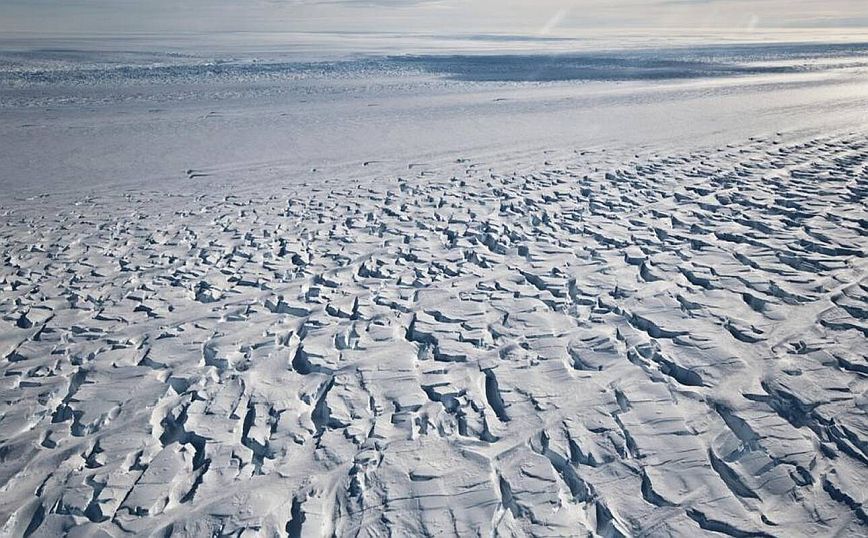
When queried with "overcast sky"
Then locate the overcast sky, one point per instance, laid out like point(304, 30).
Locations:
point(442, 17)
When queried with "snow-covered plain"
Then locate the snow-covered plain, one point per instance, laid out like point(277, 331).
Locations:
point(607, 294)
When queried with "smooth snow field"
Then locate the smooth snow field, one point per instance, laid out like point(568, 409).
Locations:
point(606, 294)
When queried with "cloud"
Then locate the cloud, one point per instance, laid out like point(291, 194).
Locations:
point(553, 22)
point(527, 17)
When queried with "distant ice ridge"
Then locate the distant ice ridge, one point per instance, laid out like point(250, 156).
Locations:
point(66, 67)
point(665, 344)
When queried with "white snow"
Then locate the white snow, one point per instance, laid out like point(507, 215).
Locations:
point(427, 297)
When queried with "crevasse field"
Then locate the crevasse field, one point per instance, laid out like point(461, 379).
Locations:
point(616, 292)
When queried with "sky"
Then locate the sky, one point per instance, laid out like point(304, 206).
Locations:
point(440, 17)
